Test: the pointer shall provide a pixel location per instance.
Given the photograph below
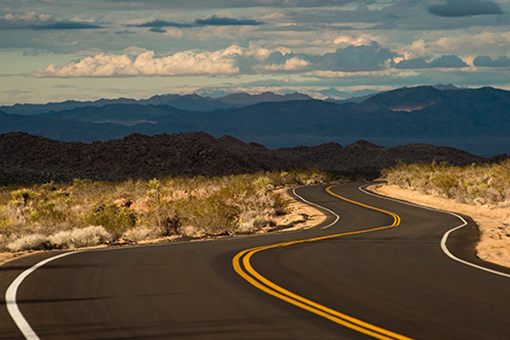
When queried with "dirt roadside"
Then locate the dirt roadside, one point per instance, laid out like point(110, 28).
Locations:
point(493, 221)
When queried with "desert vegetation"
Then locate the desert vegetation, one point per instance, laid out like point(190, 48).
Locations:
point(477, 184)
point(88, 213)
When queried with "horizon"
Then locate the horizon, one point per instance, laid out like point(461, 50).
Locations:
point(69, 50)
point(219, 94)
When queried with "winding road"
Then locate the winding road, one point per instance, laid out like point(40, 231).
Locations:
point(377, 271)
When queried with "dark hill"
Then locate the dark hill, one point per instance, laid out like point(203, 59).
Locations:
point(26, 158)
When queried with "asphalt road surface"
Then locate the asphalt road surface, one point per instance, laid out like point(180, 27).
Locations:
point(383, 275)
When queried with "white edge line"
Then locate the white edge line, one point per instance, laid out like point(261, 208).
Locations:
point(444, 239)
point(320, 206)
point(10, 297)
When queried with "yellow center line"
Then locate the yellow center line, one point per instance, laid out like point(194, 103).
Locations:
point(243, 267)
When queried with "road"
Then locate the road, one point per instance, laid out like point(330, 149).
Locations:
point(388, 278)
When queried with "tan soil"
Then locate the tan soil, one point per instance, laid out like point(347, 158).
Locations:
point(299, 216)
point(493, 222)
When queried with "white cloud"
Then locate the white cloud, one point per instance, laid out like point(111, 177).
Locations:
point(362, 39)
point(81, 19)
point(222, 62)
point(417, 49)
point(295, 63)
point(28, 17)
point(292, 64)
point(174, 32)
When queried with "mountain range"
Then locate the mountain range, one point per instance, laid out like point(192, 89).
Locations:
point(189, 102)
point(475, 120)
point(27, 158)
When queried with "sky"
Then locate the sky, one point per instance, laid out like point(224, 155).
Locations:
point(53, 50)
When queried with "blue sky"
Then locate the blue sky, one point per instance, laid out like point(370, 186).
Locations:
point(53, 50)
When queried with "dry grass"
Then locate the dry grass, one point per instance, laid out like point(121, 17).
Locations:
point(88, 213)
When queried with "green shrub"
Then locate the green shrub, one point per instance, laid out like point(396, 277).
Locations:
point(113, 218)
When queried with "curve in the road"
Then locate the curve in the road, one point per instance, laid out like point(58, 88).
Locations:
point(444, 239)
point(243, 263)
point(243, 267)
point(11, 300)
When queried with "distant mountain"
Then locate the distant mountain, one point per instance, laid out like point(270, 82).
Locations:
point(26, 158)
point(334, 94)
point(245, 99)
point(189, 102)
point(476, 120)
point(33, 109)
point(123, 114)
point(444, 87)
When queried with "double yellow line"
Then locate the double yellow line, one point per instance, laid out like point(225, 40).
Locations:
point(243, 267)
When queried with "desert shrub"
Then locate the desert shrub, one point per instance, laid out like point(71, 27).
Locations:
point(140, 233)
point(80, 237)
point(115, 219)
point(30, 242)
point(23, 197)
point(213, 214)
point(473, 184)
point(61, 214)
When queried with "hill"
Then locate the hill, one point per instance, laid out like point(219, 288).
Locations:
point(26, 158)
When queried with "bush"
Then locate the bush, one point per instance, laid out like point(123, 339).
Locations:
point(474, 184)
point(30, 242)
point(115, 219)
point(61, 215)
point(140, 234)
point(80, 237)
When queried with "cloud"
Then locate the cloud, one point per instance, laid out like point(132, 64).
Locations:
point(27, 17)
point(222, 21)
point(41, 22)
point(201, 5)
point(65, 26)
point(361, 39)
point(355, 59)
point(234, 60)
point(485, 61)
point(446, 61)
point(412, 64)
point(222, 62)
point(161, 23)
point(158, 25)
point(290, 64)
point(471, 43)
point(463, 8)
point(157, 30)
point(351, 59)
point(125, 32)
